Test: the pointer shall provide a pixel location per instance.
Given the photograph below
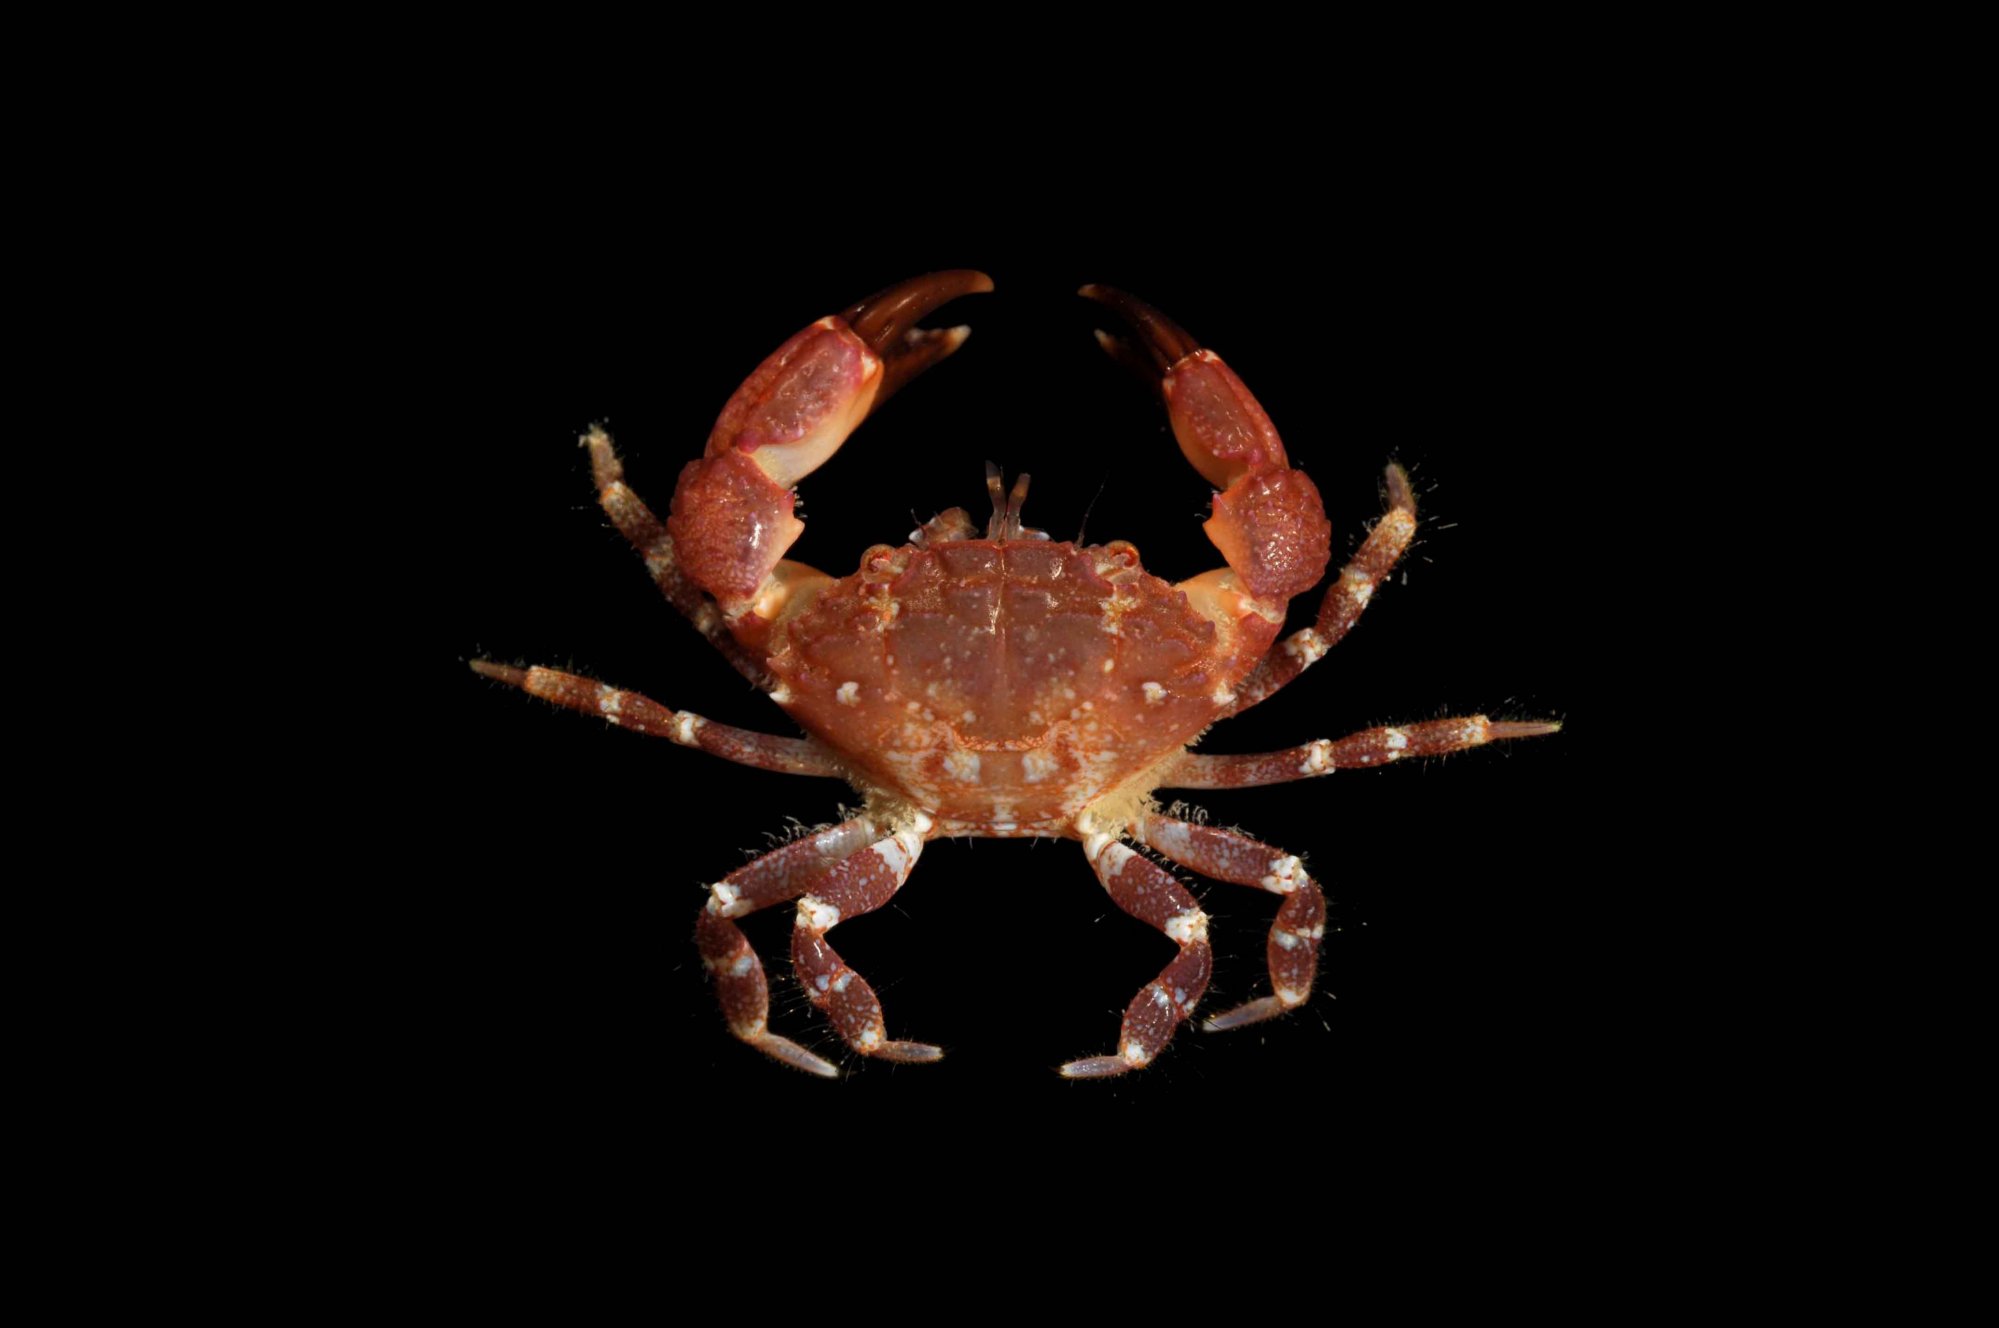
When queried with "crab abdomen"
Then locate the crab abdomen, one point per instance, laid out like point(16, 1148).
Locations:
point(1002, 683)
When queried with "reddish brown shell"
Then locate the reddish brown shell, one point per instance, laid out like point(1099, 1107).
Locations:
point(1003, 683)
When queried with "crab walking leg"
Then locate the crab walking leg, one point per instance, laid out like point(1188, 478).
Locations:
point(629, 710)
point(861, 883)
point(1344, 598)
point(1293, 948)
point(647, 534)
point(1368, 747)
point(775, 878)
point(1149, 893)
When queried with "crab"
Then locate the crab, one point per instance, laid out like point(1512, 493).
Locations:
point(998, 683)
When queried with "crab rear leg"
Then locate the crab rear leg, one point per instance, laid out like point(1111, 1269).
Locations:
point(775, 878)
point(1292, 950)
point(732, 516)
point(861, 883)
point(1149, 893)
point(641, 714)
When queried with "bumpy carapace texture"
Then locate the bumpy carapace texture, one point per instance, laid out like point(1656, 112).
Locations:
point(999, 685)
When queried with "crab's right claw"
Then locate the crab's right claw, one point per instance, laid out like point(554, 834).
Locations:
point(1268, 520)
point(732, 512)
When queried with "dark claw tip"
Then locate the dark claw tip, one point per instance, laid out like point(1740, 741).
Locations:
point(1165, 341)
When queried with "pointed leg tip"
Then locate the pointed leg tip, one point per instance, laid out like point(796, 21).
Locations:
point(486, 668)
point(1095, 1067)
point(1522, 728)
point(790, 1053)
point(909, 1053)
point(1252, 1012)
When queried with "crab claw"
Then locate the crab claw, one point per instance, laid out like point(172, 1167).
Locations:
point(732, 512)
point(1268, 521)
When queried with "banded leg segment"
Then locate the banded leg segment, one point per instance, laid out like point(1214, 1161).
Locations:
point(1369, 747)
point(630, 710)
point(1292, 951)
point(647, 533)
point(861, 883)
point(776, 877)
point(1149, 893)
point(1344, 599)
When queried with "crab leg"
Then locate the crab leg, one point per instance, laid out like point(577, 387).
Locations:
point(732, 511)
point(1268, 521)
point(861, 883)
point(1292, 951)
point(1368, 747)
point(1149, 893)
point(647, 534)
point(629, 710)
point(1344, 598)
point(776, 877)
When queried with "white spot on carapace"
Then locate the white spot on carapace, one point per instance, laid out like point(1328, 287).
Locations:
point(1037, 765)
point(1189, 927)
point(1160, 998)
point(822, 982)
point(1313, 932)
point(1476, 732)
point(1221, 695)
point(1292, 996)
point(844, 981)
point(685, 726)
point(725, 900)
point(781, 694)
point(1134, 1055)
point(869, 1039)
point(1285, 873)
point(1154, 693)
point(1318, 758)
point(1397, 739)
point(816, 914)
point(611, 702)
point(962, 765)
point(969, 717)
point(923, 824)
point(848, 693)
point(744, 962)
point(1109, 664)
point(914, 707)
point(1284, 938)
point(1005, 827)
point(1359, 586)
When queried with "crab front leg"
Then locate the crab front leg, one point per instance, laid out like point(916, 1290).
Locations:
point(732, 518)
point(1149, 893)
point(1268, 520)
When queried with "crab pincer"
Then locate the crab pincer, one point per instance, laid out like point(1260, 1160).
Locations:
point(1268, 520)
point(732, 510)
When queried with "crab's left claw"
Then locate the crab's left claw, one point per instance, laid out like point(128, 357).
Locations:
point(1268, 521)
point(732, 512)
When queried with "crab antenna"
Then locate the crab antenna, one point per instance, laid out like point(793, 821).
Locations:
point(1014, 502)
point(996, 523)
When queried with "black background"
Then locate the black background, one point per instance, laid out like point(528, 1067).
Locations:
point(542, 958)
